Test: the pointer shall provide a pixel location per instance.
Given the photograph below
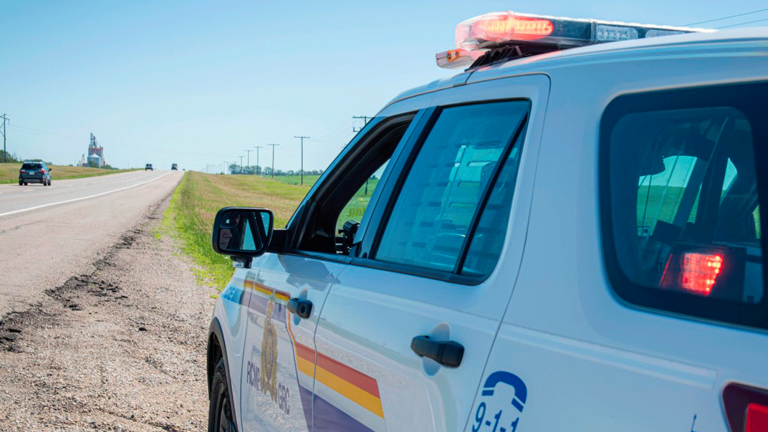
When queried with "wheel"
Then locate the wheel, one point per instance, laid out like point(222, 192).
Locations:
point(45, 182)
point(220, 418)
point(49, 182)
point(21, 183)
point(25, 183)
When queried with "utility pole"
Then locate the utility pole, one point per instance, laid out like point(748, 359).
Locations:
point(365, 120)
point(226, 166)
point(249, 158)
point(241, 164)
point(257, 155)
point(273, 158)
point(5, 152)
point(302, 138)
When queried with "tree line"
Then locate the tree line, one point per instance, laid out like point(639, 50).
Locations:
point(267, 171)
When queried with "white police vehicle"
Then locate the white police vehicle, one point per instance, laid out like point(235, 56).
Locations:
point(555, 240)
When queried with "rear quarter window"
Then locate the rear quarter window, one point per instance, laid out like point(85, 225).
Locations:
point(681, 188)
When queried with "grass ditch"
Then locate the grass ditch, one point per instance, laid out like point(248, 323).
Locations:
point(199, 197)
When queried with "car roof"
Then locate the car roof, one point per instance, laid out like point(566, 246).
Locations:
point(575, 56)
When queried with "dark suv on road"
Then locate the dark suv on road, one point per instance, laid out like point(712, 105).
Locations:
point(34, 172)
point(148, 168)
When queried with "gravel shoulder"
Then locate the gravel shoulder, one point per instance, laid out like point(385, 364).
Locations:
point(118, 349)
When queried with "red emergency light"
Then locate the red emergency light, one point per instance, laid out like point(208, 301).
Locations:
point(707, 271)
point(536, 34)
point(700, 271)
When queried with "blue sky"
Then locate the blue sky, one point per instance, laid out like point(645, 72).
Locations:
point(199, 82)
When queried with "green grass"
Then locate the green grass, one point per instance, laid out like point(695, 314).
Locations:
point(356, 207)
point(199, 197)
point(9, 172)
point(309, 180)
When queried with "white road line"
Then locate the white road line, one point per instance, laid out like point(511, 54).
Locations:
point(82, 198)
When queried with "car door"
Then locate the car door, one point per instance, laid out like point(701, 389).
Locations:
point(279, 355)
point(277, 367)
point(424, 276)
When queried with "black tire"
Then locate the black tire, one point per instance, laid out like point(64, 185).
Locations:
point(49, 182)
point(25, 183)
point(21, 183)
point(220, 418)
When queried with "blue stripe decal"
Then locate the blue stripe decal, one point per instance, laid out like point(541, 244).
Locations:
point(328, 418)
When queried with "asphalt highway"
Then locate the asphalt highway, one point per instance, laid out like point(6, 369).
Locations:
point(49, 234)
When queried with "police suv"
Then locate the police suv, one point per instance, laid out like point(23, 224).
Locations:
point(566, 236)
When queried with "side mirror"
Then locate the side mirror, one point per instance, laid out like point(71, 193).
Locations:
point(242, 233)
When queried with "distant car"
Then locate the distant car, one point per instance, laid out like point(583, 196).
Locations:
point(148, 168)
point(175, 167)
point(34, 172)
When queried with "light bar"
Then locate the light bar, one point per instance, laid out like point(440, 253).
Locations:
point(500, 29)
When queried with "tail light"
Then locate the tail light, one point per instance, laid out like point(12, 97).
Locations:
point(42, 171)
point(757, 418)
point(746, 408)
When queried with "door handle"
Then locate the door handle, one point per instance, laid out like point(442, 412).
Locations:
point(447, 353)
point(302, 308)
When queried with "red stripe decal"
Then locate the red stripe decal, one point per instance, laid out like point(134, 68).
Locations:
point(348, 374)
point(305, 352)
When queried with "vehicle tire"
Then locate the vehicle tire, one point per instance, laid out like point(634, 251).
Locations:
point(220, 418)
point(21, 183)
point(25, 183)
point(49, 182)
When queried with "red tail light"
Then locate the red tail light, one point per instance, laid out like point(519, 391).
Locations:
point(757, 418)
point(42, 171)
point(746, 408)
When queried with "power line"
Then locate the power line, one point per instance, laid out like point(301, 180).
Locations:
point(744, 23)
point(334, 132)
point(728, 17)
point(302, 138)
point(273, 158)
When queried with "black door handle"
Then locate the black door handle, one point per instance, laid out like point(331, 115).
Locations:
point(302, 308)
point(447, 353)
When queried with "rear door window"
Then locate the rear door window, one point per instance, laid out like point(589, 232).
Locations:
point(681, 203)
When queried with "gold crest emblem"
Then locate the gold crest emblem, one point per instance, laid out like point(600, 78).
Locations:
point(269, 354)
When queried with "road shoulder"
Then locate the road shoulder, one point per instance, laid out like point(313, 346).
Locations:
point(120, 348)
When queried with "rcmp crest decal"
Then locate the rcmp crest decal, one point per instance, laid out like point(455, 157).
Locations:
point(269, 353)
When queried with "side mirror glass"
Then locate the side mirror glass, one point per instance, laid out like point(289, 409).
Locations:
point(242, 232)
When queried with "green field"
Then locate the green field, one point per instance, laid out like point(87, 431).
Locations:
point(199, 196)
point(309, 180)
point(356, 207)
point(9, 172)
